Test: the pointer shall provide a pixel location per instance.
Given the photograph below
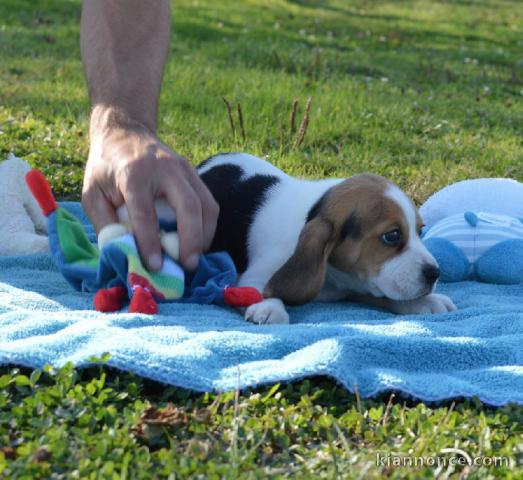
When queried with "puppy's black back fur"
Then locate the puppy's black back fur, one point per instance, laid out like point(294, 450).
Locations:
point(239, 200)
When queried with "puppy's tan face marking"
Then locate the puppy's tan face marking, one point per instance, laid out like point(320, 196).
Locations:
point(367, 252)
point(385, 251)
point(372, 232)
point(360, 247)
point(373, 215)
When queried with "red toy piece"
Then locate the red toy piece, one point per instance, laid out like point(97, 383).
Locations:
point(241, 296)
point(41, 191)
point(110, 299)
point(143, 302)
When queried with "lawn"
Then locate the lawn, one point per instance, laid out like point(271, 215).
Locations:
point(424, 92)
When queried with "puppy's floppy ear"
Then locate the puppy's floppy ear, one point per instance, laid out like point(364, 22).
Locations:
point(300, 279)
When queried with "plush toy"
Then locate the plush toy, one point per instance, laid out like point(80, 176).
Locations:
point(169, 240)
point(23, 228)
point(474, 229)
point(114, 271)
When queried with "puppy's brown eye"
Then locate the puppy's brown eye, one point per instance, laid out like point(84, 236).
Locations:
point(392, 238)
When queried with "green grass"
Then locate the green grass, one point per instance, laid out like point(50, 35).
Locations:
point(115, 425)
point(423, 92)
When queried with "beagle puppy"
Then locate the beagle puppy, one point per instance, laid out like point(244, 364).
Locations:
point(326, 240)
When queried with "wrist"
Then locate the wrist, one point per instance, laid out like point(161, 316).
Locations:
point(106, 120)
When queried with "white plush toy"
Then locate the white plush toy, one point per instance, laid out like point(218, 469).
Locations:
point(500, 196)
point(169, 241)
point(23, 228)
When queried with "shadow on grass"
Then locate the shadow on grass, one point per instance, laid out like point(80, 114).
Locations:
point(361, 44)
point(413, 53)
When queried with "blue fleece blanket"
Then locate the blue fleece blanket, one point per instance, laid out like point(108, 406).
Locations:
point(476, 351)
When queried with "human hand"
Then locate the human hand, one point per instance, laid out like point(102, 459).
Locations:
point(129, 165)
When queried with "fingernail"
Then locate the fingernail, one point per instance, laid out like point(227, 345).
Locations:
point(192, 261)
point(155, 262)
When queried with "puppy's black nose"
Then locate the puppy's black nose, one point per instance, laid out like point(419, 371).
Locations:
point(430, 273)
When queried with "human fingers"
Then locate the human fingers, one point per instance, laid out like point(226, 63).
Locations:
point(184, 200)
point(210, 208)
point(144, 224)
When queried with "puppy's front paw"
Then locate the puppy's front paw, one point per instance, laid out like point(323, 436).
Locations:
point(268, 311)
point(433, 303)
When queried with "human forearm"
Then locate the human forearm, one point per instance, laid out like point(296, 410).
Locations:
point(124, 45)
